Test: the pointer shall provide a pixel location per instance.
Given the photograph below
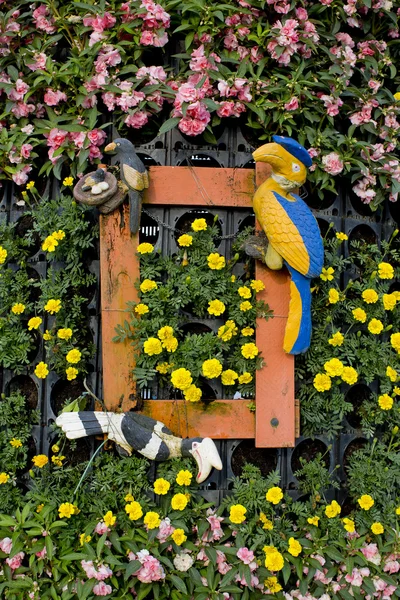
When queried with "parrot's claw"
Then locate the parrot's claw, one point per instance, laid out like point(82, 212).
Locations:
point(256, 247)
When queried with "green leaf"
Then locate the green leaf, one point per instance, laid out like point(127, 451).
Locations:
point(168, 125)
point(179, 583)
point(144, 590)
point(131, 568)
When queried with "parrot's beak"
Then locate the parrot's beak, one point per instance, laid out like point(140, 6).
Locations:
point(110, 147)
point(271, 154)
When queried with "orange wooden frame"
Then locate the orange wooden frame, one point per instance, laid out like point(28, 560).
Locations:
point(273, 424)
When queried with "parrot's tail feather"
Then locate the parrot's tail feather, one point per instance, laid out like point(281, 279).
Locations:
point(135, 210)
point(298, 327)
point(81, 424)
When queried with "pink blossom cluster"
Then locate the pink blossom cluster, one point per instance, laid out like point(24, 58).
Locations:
point(99, 24)
point(100, 572)
point(197, 116)
point(150, 570)
point(77, 140)
point(291, 36)
point(238, 29)
point(42, 20)
point(155, 21)
point(332, 163)
point(165, 530)
point(7, 26)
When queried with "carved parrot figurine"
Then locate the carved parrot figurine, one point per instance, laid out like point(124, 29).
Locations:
point(133, 174)
point(145, 435)
point(292, 231)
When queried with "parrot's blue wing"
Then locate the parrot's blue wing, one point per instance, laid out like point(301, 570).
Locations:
point(298, 327)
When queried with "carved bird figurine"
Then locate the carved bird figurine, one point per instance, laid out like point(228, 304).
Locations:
point(145, 435)
point(133, 174)
point(292, 231)
point(97, 180)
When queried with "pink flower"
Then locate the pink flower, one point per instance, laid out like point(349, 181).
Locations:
point(101, 528)
point(331, 104)
point(165, 529)
point(89, 101)
point(26, 150)
point(21, 109)
point(332, 163)
point(6, 545)
point(293, 104)
point(96, 137)
point(103, 572)
point(42, 553)
point(21, 177)
point(94, 152)
point(151, 569)
point(39, 62)
point(52, 98)
point(370, 551)
point(391, 566)
point(137, 119)
point(19, 91)
point(56, 137)
point(245, 555)
point(354, 578)
point(313, 152)
point(16, 561)
point(109, 99)
point(88, 567)
point(28, 129)
point(147, 38)
point(102, 589)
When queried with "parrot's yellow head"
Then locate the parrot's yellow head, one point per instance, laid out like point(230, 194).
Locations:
point(288, 160)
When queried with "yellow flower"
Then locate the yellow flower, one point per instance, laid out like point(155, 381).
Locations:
point(109, 519)
point(185, 240)
point(274, 495)
point(245, 306)
point(15, 443)
point(170, 344)
point(385, 402)
point(24, 194)
point(349, 375)
point(233, 278)
point(152, 520)
point(55, 448)
point(211, 368)
point(18, 308)
point(389, 301)
point(366, 501)
point(73, 356)
point(3, 255)
point(165, 332)
point(337, 339)
point(322, 382)
point(327, 274)
point(349, 525)
point(34, 323)
point(395, 341)
point(370, 296)
point(68, 181)
point(184, 478)
point(244, 292)
point(181, 379)
point(313, 521)
point(145, 248)
point(58, 235)
point(152, 346)
point(179, 536)
point(41, 371)
point(396, 96)
point(342, 236)
point(398, 510)
point(192, 393)
point(225, 333)
point(57, 460)
point(257, 285)
point(4, 478)
point(84, 539)
point(162, 368)
point(216, 307)
point(129, 498)
point(179, 502)
point(333, 509)
point(49, 244)
point(66, 510)
point(334, 367)
point(199, 225)
point(141, 309)
point(294, 547)
point(377, 528)
point(268, 525)
point(272, 585)
point(40, 460)
point(39, 508)
point(359, 314)
point(247, 331)
point(65, 333)
point(148, 285)
point(237, 513)
point(392, 374)
point(47, 335)
point(215, 261)
point(333, 296)
point(71, 373)
point(396, 390)
point(53, 306)
point(274, 561)
point(30, 185)
point(161, 486)
point(134, 511)
point(385, 270)
point(229, 377)
point(245, 378)
point(249, 350)
point(375, 326)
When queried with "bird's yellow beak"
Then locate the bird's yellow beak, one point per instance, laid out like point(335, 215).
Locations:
point(110, 147)
point(273, 154)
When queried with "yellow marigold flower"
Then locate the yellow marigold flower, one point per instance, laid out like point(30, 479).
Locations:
point(141, 309)
point(39, 508)
point(49, 244)
point(185, 240)
point(15, 443)
point(109, 518)
point(68, 181)
point(84, 539)
point(165, 332)
point(375, 326)
point(40, 460)
point(58, 235)
point(18, 308)
point(211, 368)
point(274, 561)
point(55, 448)
point(3, 255)
point(370, 296)
point(385, 402)
point(327, 274)
point(396, 390)
point(389, 301)
point(47, 335)
point(4, 478)
point(179, 502)
point(184, 477)
point(274, 495)
point(337, 339)
point(161, 486)
point(162, 368)
point(57, 460)
point(30, 185)
point(377, 528)
point(385, 270)
point(334, 367)
point(34, 323)
point(342, 236)
point(134, 510)
point(152, 520)
point(233, 278)
point(257, 285)
point(395, 341)
point(152, 346)
point(148, 285)
point(66, 510)
point(225, 333)
point(216, 307)
point(245, 378)
point(349, 375)
point(41, 370)
point(272, 585)
point(249, 350)
point(333, 296)
point(268, 525)
point(229, 377)
point(145, 248)
point(396, 96)
point(179, 536)
point(245, 306)
point(392, 374)
point(349, 525)
point(71, 373)
point(170, 344)
point(65, 333)
point(294, 547)
point(359, 314)
point(73, 356)
point(129, 498)
point(247, 331)
point(322, 382)
point(53, 306)
point(237, 513)
point(366, 501)
point(199, 225)
point(244, 292)
point(313, 521)
point(192, 393)
point(333, 509)
point(181, 379)
point(398, 510)
point(215, 261)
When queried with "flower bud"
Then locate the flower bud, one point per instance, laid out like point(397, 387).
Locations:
point(395, 430)
point(187, 280)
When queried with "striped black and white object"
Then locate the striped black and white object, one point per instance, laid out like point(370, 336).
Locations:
point(133, 431)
